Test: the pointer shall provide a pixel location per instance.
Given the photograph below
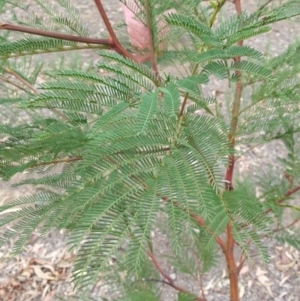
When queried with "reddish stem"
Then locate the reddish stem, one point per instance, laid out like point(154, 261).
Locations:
point(230, 260)
point(290, 192)
point(290, 179)
point(217, 239)
point(106, 22)
point(55, 35)
point(151, 41)
point(169, 280)
point(287, 194)
point(231, 265)
point(201, 222)
point(243, 258)
point(66, 160)
point(115, 44)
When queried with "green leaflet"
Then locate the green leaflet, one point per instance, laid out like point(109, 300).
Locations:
point(31, 46)
point(220, 68)
point(145, 220)
point(193, 25)
point(127, 160)
point(125, 62)
point(171, 100)
point(146, 111)
point(227, 53)
point(291, 239)
point(106, 118)
point(190, 23)
point(245, 34)
point(185, 297)
point(190, 84)
point(246, 66)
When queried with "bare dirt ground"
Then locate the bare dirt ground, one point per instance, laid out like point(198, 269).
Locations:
point(42, 271)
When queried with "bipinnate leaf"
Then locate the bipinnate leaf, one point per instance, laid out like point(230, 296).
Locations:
point(146, 111)
point(171, 100)
point(291, 239)
point(185, 297)
point(105, 119)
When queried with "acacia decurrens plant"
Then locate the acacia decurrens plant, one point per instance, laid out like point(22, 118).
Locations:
point(138, 144)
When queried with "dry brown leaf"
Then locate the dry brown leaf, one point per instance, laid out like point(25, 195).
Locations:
point(289, 255)
point(64, 265)
point(282, 295)
point(45, 290)
point(22, 278)
point(49, 296)
point(14, 282)
point(36, 248)
point(30, 293)
point(38, 261)
point(284, 279)
point(244, 270)
point(210, 284)
point(10, 210)
point(224, 273)
point(283, 267)
point(49, 267)
point(264, 280)
point(249, 284)
point(259, 271)
point(241, 290)
point(38, 271)
point(27, 272)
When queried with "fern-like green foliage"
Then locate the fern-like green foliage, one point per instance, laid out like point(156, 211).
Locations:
point(134, 145)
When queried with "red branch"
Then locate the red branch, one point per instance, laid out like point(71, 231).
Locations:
point(229, 255)
point(115, 44)
point(286, 195)
point(290, 192)
point(55, 35)
point(169, 279)
point(218, 239)
point(201, 222)
point(235, 113)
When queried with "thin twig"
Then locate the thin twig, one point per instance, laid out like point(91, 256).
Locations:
point(106, 22)
point(24, 82)
point(151, 40)
point(216, 11)
point(230, 260)
point(32, 88)
point(66, 160)
point(286, 195)
point(195, 68)
point(159, 269)
point(55, 35)
point(264, 5)
point(114, 42)
point(12, 83)
point(241, 263)
point(201, 222)
point(111, 43)
point(158, 280)
point(169, 280)
point(235, 113)
point(288, 226)
point(201, 286)
point(243, 257)
point(217, 239)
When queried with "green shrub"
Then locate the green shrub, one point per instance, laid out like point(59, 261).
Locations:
point(142, 147)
